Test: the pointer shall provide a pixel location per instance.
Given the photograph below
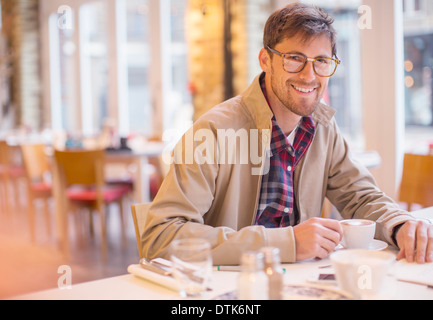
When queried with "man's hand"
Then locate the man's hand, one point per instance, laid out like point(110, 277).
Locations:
point(317, 238)
point(415, 240)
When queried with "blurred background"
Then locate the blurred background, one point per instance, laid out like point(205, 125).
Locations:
point(146, 69)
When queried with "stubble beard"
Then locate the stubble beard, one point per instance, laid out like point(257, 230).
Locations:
point(302, 107)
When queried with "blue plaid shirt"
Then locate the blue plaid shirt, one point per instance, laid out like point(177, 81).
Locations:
point(277, 204)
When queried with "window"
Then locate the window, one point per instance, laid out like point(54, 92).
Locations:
point(179, 110)
point(137, 106)
point(62, 68)
point(413, 7)
point(101, 55)
point(344, 92)
point(418, 81)
point(93, 39)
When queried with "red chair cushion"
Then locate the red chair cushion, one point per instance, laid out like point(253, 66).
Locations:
point(110, 193)
point(41, 187)
point(16, 171)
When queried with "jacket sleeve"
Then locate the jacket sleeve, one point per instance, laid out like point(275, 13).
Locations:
point(353, 191)
point(185, 197)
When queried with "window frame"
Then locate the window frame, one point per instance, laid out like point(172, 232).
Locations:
point(117, 74)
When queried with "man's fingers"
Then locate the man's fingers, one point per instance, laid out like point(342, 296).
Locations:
point(329, 229)
point(333, 225)
point(331, 236)
point(421, 242)
point(409, 241)
point(429, 257)
point(416, 242)
point(401, 254)
point(327, 245)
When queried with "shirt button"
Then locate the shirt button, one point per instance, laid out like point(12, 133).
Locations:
point(286, 210)
point(289, 168)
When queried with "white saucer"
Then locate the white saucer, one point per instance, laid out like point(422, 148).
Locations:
point(375, 245)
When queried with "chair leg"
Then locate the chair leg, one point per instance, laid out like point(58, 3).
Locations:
point(122, 223)
point(7, 198)
point(47, 217)
point(78, 225)
point(102, 216)
point(91, 226)
point(61, 210)
point(16, 186)
point(2, 197)
point(31, 215)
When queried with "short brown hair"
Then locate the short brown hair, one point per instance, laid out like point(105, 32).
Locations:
point(298, 18)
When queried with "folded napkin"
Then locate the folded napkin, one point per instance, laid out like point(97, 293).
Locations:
point(165, 281)
point(414, 272)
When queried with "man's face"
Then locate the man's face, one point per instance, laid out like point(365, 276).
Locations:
point(299, 92)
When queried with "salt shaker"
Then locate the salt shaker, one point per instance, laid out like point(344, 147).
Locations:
point(274, 272)
point(253, 281)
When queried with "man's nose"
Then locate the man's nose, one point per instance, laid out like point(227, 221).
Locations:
point(307, 74)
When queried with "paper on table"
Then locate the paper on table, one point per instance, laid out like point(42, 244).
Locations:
point(414, 272)
point(159, 279)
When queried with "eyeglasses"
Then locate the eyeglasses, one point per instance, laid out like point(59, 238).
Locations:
point(296, 62)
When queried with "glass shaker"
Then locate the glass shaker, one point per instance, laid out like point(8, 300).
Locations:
point(252, 281)
point(274, 272)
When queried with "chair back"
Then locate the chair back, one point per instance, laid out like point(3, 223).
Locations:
point(417, 180)
point(84, 167)
point(35, 161)
point(139, 213)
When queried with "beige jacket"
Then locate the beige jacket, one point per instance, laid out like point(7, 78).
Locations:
point(217, 199)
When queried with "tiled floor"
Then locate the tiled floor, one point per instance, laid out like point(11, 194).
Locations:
point(27, 266)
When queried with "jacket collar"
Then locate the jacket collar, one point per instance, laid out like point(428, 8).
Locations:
point(257, 106)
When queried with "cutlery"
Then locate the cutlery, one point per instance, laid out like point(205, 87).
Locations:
point(164, 270)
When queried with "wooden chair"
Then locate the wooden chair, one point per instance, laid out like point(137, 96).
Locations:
point(139, 212)
point(417, 180)
point(39, 186)
point(80, 175)
point(11, 171)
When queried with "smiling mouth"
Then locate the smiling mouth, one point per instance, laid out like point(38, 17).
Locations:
point(303, 90)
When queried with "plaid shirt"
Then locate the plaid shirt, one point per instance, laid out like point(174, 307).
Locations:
point(277, 205)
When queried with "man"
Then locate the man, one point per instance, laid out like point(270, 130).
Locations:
point(296, 157)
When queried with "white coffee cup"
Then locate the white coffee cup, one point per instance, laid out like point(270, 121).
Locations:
point(357, 233)
point(362, 273)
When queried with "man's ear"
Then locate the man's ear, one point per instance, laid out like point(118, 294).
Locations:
point(265, 60)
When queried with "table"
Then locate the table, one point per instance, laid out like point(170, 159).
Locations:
point(140, 158)
point(425, 214)
point(131, 287)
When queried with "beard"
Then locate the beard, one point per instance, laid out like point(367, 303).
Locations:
point(300, 105)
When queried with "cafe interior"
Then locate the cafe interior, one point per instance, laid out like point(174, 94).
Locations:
point(124, 79)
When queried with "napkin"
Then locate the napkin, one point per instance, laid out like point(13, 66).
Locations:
point(414, 272)
point(165, 281)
